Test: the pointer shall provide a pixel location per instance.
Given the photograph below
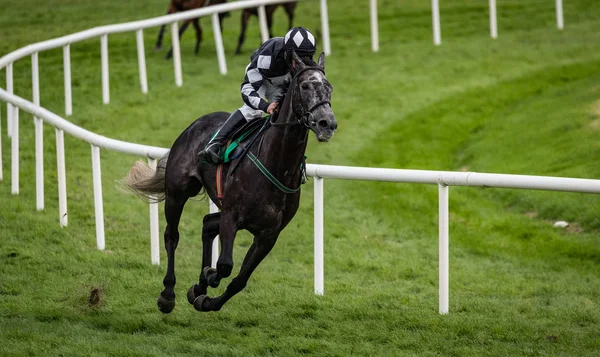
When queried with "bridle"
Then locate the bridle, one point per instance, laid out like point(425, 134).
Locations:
point(306, 116)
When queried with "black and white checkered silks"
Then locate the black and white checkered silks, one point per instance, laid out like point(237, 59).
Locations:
point(257, 85)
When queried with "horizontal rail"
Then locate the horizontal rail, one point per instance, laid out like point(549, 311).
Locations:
point(453, 178)
point(80, 133)
point(131, 26)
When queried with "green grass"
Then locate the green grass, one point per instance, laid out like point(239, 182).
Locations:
point(526, 103)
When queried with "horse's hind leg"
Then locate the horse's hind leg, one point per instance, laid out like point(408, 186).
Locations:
point(181, 31)
point(258, 251)
point(173, 209)
point(210, 229)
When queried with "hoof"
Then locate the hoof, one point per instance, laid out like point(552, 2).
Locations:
point(191, 296)
point(157, 48)
point(165, 306)
point(210, 275)
point(199, 302)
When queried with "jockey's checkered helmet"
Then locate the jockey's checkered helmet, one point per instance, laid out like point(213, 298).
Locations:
point(300, 40)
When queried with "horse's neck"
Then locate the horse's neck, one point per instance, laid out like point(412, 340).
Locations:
point(284, 146)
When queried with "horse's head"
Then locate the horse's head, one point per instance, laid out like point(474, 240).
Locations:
point(312, 97)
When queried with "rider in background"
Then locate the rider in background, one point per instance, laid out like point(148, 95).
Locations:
point(265, 84)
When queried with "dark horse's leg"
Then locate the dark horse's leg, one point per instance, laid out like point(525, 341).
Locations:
point(289, 9)
point(198, 35)
point(258, 251)
point(245, 17)
point(161, 33)
point(181, 31)
point(210, 229)
point(173, 208)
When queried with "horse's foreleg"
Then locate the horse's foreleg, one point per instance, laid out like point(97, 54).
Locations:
point(181, 31)
point(245, 18)
point(198, 35)
point(173, 208)
point(257, 252)
point(210, 229)
point(161, 33)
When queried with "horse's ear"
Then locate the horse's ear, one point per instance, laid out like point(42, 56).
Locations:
point(322, 60)
point(298, 60)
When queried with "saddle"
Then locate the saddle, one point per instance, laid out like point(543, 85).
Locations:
point(240, 141)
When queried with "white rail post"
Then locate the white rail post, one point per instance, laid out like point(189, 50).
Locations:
point(319, 254)
point(325, 28)
point(262, 20)
point(435, 13)
point(98, 208)
point(219, 44)
point(9, 107)
point(212, 208)
point(443, 248)
point(104, 64)
point(62, 178)
point(139, 39)
point(493, 20)
point(559, 15)
point(374, 27)
point(39, 135)
point(154, 244)
point(67, 75)
point(176, 54)
point(15, 152)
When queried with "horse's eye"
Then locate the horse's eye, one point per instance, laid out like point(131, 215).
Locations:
point(304, 86)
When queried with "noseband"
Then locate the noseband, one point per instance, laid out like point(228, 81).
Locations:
point(306, 116)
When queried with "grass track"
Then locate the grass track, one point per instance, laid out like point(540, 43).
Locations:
point(524, 103)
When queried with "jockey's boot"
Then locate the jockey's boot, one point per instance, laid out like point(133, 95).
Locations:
point(211, 152)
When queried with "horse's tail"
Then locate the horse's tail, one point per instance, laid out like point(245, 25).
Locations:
point(145, 182)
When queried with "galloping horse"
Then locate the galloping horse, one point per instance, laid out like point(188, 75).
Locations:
point(289, 7)
point(259, 196)
point(185, 5)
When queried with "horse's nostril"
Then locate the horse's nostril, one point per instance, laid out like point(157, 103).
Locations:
point(323, 124)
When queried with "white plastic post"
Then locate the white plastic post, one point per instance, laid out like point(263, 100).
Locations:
point(15, 152)
point(219, 44)
point(435, 13)
point(212, 208)
point(318, 221)
point(493, 20)
point(374, 27)
point(154, 244)
point(559, 15)
point(176, 54)
point(98, 208)
point(39, 135)
point(67, 75)
point(443, 248)
point(104, 64)
point(139, 39)
point(62, 178)
point(9, 107)
point(325, 28)
point(262, 20)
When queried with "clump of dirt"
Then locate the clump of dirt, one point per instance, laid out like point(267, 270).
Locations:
point(95, 298)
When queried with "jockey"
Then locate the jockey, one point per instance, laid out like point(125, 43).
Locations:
point(265, 84)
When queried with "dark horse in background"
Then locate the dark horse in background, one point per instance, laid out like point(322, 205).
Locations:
point(250, 201)
point(185, 5)
point(289, 7)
